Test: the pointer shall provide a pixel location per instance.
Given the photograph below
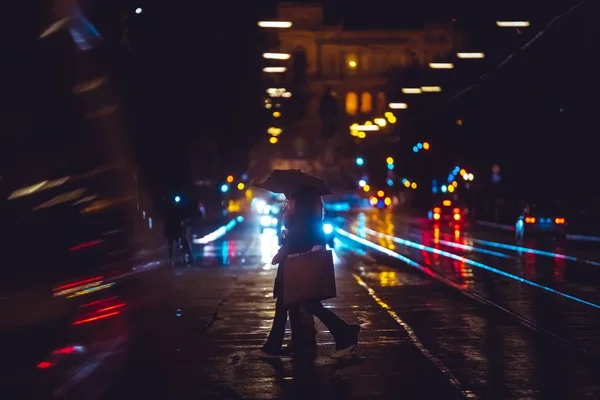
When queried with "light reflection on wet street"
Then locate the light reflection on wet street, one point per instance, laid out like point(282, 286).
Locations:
point(420, 338)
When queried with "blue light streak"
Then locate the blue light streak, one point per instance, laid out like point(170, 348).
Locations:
point(474, 263)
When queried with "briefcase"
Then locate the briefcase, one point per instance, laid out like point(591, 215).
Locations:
point(308, 276)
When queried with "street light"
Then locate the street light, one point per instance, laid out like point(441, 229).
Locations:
point(275, 24)
point(276, 92)
point(389, 160)
point(138, 10)
point(274, 131)
point(398, 106)
point(412, 91)
point(431, 89)
point(365, 128)
point(441, 65)
point(276, 56)
point(425, 145)
point(513, 24)
point(273, 140)
point(470, 55)
point(274, 70)
point(380, 121)
point(360, 161)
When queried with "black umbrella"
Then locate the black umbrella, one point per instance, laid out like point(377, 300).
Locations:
point(289, 181)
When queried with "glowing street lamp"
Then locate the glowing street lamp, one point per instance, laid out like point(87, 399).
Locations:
point(365, 128)
point(412, 90)
point(276, 56)
point(513, 24)
point(275, 24)
point(470, 55)
point(398, 106)
point(274, 70)
point(441, 65)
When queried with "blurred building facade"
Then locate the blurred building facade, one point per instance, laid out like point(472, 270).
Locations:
point(354, 65)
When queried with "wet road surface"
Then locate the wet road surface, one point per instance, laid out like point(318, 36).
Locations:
point(421, 336)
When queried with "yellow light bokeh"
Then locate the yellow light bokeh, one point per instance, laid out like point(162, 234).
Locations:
point(381, 122)
point(230, 178)
point(241, 186)
point(274, 131)
point(366, 188)
point(273, 140)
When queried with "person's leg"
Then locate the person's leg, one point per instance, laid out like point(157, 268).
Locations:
point(337, 326)
point(345, 335)
point(303, 332)
point(277, 333)
point(187, 250)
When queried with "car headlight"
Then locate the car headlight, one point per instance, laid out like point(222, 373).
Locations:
point(328, 229)
point(265, 220)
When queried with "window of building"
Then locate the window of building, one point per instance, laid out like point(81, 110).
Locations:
point(351, 103)
point(352, 62)
point(366, 103)
point(381, 104)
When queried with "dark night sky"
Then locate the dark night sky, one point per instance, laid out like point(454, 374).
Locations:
point(194, 73)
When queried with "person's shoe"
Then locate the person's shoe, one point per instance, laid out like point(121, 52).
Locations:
point(348, 345)
point(261, 353)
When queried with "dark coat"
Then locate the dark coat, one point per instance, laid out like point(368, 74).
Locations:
point(301, 237)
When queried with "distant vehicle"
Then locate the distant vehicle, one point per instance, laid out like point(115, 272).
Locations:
point(448, 210)
point(541, 219)
point(328, 228)
point(269, 214)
